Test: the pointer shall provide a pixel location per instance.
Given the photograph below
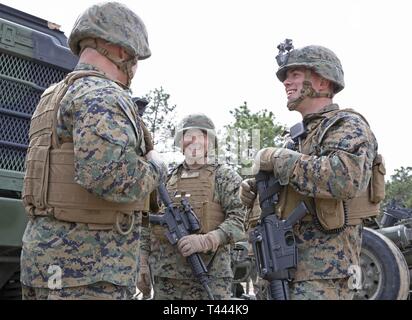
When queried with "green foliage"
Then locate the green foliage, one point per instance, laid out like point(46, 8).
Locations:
point(264, 120)
point(159, 117)
point(399, 188)
point(248, 133)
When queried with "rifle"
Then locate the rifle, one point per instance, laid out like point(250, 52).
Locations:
point(180, 223)
point(141, 104)
point(273, 240)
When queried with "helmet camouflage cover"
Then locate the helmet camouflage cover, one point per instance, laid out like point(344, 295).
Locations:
point(195, 121)
point(115, 23)
point(317, 58)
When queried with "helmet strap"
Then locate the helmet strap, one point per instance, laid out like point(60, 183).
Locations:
point(126, 66)
point(307, 92)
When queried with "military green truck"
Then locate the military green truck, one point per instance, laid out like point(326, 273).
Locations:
point(33, 55)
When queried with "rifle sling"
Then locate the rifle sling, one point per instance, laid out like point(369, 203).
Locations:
point(268, 193)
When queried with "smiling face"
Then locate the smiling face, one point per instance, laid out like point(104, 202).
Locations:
point(294, 83)
point(195, 143)
point(301, 94)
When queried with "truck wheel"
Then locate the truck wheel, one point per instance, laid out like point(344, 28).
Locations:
point(385, 273)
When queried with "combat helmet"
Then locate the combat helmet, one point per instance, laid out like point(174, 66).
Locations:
point(117, 24)
point(195, 121)
point(317, 58)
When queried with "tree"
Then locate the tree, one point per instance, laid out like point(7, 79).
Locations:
point(159, 117)
point(249, 132)
point(399, 188)
point(264, 120)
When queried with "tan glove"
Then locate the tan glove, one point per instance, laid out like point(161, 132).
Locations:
point(194, 243)
point(247, 192)
point(144, 283)
point(264, 160)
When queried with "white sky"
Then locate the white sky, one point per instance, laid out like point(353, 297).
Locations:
point(211, 55)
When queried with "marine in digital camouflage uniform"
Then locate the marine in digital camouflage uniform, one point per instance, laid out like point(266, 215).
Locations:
point(215, 199)
point(88, 171)
point(329, 167)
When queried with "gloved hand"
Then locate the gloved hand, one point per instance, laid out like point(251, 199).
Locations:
point(156, 160)
point(264, 160)
point(144, 283)
point(248, 192)
point(199, 243)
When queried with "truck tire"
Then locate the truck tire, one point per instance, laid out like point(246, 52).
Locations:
point(385, 273)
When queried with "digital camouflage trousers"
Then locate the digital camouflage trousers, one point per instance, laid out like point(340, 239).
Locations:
point(187, 289)
point(95, 291)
